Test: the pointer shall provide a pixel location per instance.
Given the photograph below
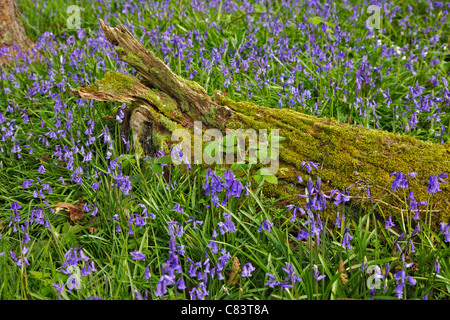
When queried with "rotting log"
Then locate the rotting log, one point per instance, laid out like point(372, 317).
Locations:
point(159, 101)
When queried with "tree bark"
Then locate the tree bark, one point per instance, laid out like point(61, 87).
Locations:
point(12, 32)
point(161, 101)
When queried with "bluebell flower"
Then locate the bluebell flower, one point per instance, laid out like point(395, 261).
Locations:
point(15, 206)
point(433, 185)
point(445, 230)
point(27, 183)
point(175, 229)
point(303, 235)
point(178, 208)
point(272, 282)
point(411, 246)
point(213, 246)
point(341, 198)
point(398, 288)
point(194, 222)
point(199, 291)
point(136, 255)
point(416, 230)
point(247, 270)
point(71, 257)
point(389, 223)
point(235, 189)
point(400, 180)
point(339, 220)
point(73, 283)
point(180, 284)
point(59, 288)
point(437, 267)
point(167, 278)
point(441, 177)
point(316, 275)
point(309, 165)
point(147, 274)
point(41, 169)
point(346, 239)
point(265, 226)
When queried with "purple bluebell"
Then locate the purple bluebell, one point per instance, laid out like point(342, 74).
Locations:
point(316, 275)
point(445, 230)
point(437, 267)
point(389, 223)
point(136, 255)
point(247, 270)
point(346, 239)
point(266, 225)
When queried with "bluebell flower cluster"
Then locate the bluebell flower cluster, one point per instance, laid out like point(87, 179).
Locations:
point(74, 258)
point(288, 282)
point(215, 185)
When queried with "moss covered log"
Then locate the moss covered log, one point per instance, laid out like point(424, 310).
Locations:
point(161, 102)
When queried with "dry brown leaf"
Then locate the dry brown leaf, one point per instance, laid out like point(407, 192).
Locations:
point(236, 268)
point(344, 277)
point(92, 230)
point(76, 211)
point(45, 158)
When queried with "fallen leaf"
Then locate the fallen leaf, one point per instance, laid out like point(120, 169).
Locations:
point(45, 158)
point(344, 277)
point(236, 268)
point(76, 211)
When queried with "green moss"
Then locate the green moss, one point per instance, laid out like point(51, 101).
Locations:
point(210, 117)
point(168, 124)
point(160, 141)
point(113, 83)
point(120, 50)
point(154, 71)
point(348, 154)
point(91, 88)
point(192, 85)
point(135, 61)
point(164, 103)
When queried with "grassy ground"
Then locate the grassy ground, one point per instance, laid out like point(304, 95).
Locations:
point(82, 217)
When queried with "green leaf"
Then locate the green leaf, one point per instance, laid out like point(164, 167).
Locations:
point(136, 178)
point(39, 275)
point(126, 159)
point(258, 178)
point(230, 140)
point(65, 228)
point(156, 168)
point(258, 8)
point(271, 178)
point(315, 20)
point(75, 229)
point(163, 160)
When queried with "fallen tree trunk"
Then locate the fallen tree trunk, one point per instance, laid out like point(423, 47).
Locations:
point(161, 102)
